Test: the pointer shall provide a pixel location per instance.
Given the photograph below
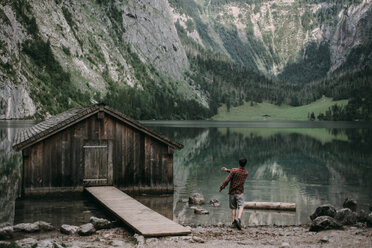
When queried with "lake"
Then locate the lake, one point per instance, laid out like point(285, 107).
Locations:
point(308, 163)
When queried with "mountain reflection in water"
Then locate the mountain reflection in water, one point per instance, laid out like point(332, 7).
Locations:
point(308, 166)
point(302, 162)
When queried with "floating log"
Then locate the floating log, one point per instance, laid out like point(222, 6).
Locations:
point(271, 205)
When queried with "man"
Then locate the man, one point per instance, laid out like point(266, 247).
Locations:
point(236, 177)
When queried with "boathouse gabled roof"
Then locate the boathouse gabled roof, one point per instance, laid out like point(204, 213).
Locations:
point(29, 136)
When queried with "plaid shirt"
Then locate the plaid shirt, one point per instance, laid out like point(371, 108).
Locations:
point(237, 178)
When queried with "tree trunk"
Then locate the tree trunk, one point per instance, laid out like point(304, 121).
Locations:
point(271, 205)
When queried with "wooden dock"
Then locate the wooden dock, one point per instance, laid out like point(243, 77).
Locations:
point(136, 215)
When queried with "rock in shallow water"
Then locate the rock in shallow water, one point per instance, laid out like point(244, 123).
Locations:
point(201, 211)
point(196, 199)
point(86, 229)
point(100, 223)
point(6, 232)
point(324, 223)
point(351, 204)
point(214, 202)
point(26, 227)
point(324, 210)
point(68, 229)
point(346, 217)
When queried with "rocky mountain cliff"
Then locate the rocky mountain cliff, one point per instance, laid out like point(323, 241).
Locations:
point(171, 59)
point(93, 43)
point(294, 40)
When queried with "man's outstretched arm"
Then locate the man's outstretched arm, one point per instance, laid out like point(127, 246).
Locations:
point(225, 182)
point(225, 169)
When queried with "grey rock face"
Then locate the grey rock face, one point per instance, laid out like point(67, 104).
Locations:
point(324, 223)
point(196, 199)
point(351, 204)
point(100, 223)
point(324, 210)
point(68, 229)
point(6, 232)
point(346, 217)
point(86, 229)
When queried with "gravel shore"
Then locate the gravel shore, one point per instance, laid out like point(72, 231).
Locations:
point(262, 236)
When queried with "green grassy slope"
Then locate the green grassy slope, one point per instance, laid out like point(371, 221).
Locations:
point(246, 112)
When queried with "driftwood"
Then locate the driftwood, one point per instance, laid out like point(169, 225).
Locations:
point(271, 205)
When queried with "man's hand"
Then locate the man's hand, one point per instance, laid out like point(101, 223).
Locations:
point(224, 169)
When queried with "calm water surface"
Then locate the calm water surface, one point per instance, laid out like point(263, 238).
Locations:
point(309, 163)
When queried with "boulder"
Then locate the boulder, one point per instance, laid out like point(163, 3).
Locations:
point(86, 229)
point(196, 199)
point(197, 239)
point(346, 217)
point(201, 211)
point(68, 229)
point(324, 223)
point(324, 210)
point(26, 227)
point(369, 220)
point(6, 232)
point(100, 223)
point(44, 226)
point(351, 204)
point(214, 202)
point(361, 216)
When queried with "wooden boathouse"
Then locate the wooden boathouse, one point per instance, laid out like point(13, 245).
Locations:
point(95, 146)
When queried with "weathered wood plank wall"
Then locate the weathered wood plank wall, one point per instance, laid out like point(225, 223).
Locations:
point(136, 162)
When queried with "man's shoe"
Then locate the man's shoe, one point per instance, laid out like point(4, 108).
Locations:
point(234, 224)
point(239, 224)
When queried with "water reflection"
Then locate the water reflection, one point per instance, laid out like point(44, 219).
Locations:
point(306, 163)
point(308, 166)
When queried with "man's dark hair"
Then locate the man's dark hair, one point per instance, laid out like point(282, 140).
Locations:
point(242, 161)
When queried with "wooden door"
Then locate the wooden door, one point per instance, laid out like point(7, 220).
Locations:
point(96, 155)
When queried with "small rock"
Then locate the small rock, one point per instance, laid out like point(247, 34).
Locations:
point(201, 211)
point(214, 202)
point(100, 223)
point(26, 227)
point(324, 240)
point(151, 240)
point(6, 232)
point(324, 223)
point(351, 204)
point(197, 239)
point(28, 242)
point(46, 244)
point(44, 226)
point(324, 210)
point(68, 229)
point(346, 217)
point(196, 199)
point(369, 220)
point(86, 229)
point(362, 216)
point(284, 245)
point(140, 239)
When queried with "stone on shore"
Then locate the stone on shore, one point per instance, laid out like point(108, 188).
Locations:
point(369, 220)
point(6, 232)
point(324, 223)
point(44, 226)
point(86, 229)
point(26, 227)
point(196, 199)
point(197, 239)
point(68, 229)
point(351, 204)
point(324, 210)
point(214, 202)
point(201, 211)
point(100, 223)
point(346, 217)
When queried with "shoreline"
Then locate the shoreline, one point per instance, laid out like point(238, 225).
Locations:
point(208, 236)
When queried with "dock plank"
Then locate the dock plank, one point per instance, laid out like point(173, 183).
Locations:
point(142, 219)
